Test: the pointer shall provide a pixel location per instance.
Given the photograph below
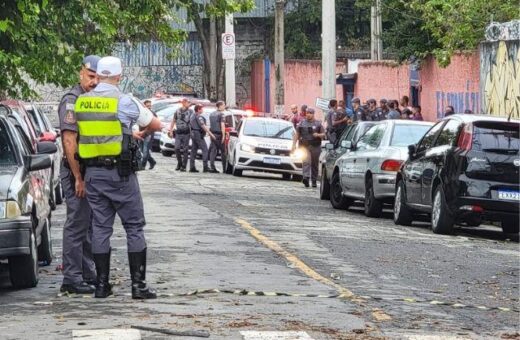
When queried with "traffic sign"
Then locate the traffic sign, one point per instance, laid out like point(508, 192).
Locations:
point(228, 45)
point(322, 103)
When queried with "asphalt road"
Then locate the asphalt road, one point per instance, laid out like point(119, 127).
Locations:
point(339, 275)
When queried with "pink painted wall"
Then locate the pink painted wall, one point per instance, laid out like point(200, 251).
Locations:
point(382, 79)
point(302, 84)
point(456, 85)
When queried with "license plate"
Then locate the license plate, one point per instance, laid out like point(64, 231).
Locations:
point(509, 195)
point(270, 160)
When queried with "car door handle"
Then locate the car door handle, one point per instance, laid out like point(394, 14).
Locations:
point(368, 160)
point(354, 161)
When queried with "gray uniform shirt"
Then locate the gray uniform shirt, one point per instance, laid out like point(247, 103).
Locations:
point(182, 118)
point(197, 122)
point(215, 120)
point(66, 112)
point(127, 111)
point(306, 129)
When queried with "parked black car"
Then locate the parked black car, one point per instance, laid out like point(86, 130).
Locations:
point(464, 170)
point(333, 151)
point(25, 235)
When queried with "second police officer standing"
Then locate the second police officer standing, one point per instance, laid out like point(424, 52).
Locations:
point(181, 126)
point(217, 127)
point(199, 129)
point(309, 134)
point(79, 271)
point(106, 147)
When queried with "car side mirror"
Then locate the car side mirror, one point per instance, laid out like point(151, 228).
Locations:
point(346, 144)
point(233, 133)
point(37, 162)
point(412, 149)
point(329, 146)
point(46, 148)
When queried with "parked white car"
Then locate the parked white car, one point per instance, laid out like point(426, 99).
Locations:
point(263, 144)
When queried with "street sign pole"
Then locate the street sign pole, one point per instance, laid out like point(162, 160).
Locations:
point(228, 53)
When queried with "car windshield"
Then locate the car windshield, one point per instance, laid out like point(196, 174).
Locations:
point(268, 129)
point(407, 134)
point(166, 114)
point(162, 105)
point(496, 137)
point(7, 156)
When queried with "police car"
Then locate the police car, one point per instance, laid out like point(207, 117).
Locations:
point(263, 144)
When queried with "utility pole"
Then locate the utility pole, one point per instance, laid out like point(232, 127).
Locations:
point(230, 68)
point(376, 31)
point(279, 57)
point(328, 49)
point(212, 58)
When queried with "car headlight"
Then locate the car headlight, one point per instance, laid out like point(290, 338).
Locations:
point(298, 154)
point(247, 148)
point(10, 209)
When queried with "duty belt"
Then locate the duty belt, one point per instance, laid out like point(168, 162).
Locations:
point(102, 162)
point(216, 132)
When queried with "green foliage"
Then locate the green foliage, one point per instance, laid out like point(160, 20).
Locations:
point(47, 39)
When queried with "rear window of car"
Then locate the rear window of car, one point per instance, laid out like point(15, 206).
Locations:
point(7, 155)
point(269, 129)
point(405, 135)
point(499, 137)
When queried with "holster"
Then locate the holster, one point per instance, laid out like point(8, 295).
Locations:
point(124, 166)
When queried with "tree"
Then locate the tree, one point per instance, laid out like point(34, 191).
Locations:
point(209, 34)
point(47, 39)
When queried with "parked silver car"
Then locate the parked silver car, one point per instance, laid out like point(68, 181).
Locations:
point(369, 171)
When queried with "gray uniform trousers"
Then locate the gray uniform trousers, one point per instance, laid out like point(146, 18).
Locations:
point(214, 147)
point(311, 162)
point(108, 194)
point(198, 142)
point(78, 264)
point(182, 142)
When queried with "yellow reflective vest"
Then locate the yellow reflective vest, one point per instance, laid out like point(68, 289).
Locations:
point(100, 131)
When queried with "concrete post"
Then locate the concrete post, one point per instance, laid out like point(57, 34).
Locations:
point(328, 48)
point(230, 68)
point(279, 57)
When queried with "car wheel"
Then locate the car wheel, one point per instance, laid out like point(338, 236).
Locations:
point(402, 214)
point(337, 200)
point(23, 269)
point(236, 172)
point(286, 177)
point(58, 193)
point(228, 169)
point(52, 197)
point(324, 186)
point(510, 227)
point(442, 221)
point(373, 206)
point(166, 153)
point(45, 248)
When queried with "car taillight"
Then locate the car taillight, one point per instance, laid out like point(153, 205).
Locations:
point(466, 138)
point(391, 165)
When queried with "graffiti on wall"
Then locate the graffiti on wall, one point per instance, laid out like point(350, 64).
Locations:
point(143, 82)
point(461, 101)
point(500, 78)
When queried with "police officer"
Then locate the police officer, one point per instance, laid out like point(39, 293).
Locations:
point(309, 134)
point(217, 127)
point(199, 129)
point(359, 112)
point(106, 147)
point(331, 131)
point(181, 126)
point(79, 271)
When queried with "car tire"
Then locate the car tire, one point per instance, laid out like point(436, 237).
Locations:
point(228, 168)
point(23, 269)
point(58, 193)
point(373, 206)
point(297, 178)
point(337, 200)
point(166, 153)
point(402, 214)
point(286, 177)
point(236, 172)
point(45, 247)
point(324, 186)
point(442, 220)
point(510, 227)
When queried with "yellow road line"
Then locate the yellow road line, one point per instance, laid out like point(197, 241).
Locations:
point(294, 260)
